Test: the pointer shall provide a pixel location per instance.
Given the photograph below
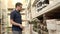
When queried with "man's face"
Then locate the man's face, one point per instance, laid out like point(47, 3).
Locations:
point(19, 7)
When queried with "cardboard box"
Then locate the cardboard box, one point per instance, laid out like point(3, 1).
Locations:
point(52, 31)
point(58, 25)
point(58, 32)
point(51, 24)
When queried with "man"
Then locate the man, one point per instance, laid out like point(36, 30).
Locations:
point(15, 19)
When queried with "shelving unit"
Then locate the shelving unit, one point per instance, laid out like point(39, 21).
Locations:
point(51, 11)
point(53, 4)
point(4, 22)
point(40, 26)
point(0, 17)
point(3, 16)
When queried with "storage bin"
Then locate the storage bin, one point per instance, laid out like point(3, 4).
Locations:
point(58, 32)
point(58, 25)
point(52, 32)
point(58, 22)
point(51, 24)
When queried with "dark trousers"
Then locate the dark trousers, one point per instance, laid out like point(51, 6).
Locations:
point(17, 32)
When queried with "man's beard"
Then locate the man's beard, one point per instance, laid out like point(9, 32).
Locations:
point(19, 10)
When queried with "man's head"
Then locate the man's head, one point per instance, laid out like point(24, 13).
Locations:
point(18, 6)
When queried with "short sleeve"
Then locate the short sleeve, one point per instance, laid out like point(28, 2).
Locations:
point(12, 14)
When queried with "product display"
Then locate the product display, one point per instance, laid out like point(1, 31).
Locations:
point(40, 27)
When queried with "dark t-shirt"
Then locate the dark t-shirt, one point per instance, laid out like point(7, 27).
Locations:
point(16, 17)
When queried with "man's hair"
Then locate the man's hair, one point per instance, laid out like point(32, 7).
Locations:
point(18, 4)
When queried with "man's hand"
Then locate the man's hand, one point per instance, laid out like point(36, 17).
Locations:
point(16, 24)
point(21, 26)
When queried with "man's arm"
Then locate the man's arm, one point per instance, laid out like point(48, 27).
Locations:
point(16, 24)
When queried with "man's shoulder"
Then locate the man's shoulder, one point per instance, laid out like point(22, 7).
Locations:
point(13, 11)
